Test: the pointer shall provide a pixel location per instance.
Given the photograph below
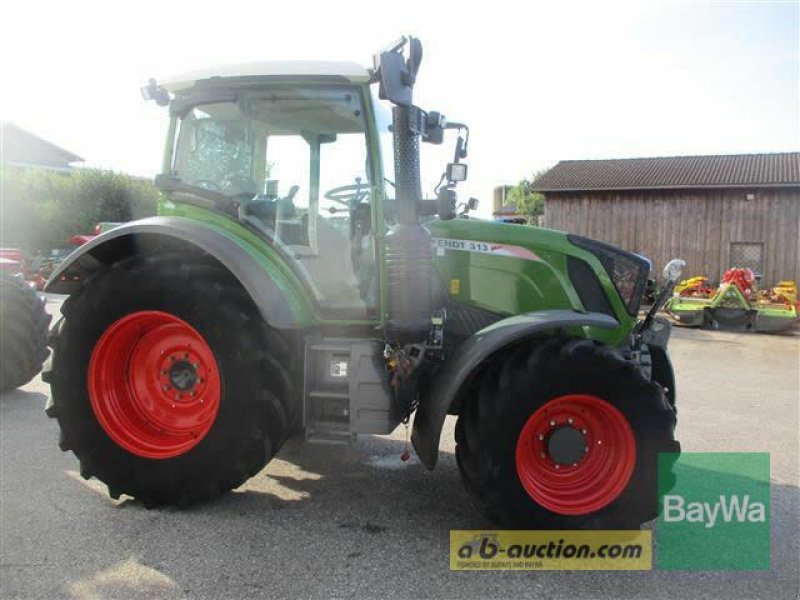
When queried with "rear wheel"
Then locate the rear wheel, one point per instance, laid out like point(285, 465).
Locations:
point(166, 383)
point(23, 333)
point(565, 436)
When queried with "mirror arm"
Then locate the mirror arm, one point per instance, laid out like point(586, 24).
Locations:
point(673, 276)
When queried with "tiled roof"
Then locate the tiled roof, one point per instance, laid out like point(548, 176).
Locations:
point(738, 170)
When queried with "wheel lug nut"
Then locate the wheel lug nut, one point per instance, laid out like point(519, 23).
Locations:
point(194, 365)
point(570, 420)
point(541, 454)
point(558, 467)
point(583, 431)
point(166, 388)
point(552, 423)
point(586, 449)
point(599, 442)
point(541, 437)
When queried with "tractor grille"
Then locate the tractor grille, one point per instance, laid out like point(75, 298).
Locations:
point(628, 272)
point(588, 287)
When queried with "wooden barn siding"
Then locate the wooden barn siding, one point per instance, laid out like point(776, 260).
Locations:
point(696, 225)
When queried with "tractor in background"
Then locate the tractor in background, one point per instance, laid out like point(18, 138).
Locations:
point(12, 260)
point(23, 331)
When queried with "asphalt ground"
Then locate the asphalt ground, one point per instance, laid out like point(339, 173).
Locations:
point(335, 521)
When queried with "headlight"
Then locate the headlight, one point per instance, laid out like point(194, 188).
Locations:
point(627, 271)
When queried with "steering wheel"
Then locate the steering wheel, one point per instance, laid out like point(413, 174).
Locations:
point(349, 195)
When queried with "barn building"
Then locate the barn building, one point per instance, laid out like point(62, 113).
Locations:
point(24, 149)
point(715, 212)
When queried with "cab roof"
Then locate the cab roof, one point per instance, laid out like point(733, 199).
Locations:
point(347, 70)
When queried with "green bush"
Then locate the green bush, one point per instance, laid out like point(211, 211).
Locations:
point(528, 202)
point(41, 209)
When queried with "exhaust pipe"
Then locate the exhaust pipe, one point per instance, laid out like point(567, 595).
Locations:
point(408, 243)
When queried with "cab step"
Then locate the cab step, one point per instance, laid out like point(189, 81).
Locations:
point(346, 390)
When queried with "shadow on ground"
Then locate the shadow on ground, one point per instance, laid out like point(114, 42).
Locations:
point(320, 521)
point(323, 521)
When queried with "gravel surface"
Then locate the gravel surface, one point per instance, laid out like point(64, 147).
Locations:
point(335, 521)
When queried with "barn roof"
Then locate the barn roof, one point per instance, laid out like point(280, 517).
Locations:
point(23, 148)
point(726, 171)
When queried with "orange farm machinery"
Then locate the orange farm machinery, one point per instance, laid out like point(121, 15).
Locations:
point(736, 304)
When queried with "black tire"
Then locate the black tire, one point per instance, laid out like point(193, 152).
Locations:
point(256, 401)
point(23, 333)
point(519, 381)
point(662, 373)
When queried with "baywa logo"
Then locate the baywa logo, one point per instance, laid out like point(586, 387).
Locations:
point(715, 511)
point(728, 509)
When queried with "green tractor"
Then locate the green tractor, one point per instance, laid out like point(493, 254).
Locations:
point(296, 280)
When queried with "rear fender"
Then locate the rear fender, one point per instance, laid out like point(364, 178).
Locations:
point(456, 372)
point(278, 297)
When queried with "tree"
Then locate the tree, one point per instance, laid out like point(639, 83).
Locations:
point(528, 202)
point(40, 209)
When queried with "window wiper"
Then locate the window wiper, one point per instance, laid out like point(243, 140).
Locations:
point(196, 195)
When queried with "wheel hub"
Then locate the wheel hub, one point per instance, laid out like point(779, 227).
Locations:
point(566, 445)
point(183, 375)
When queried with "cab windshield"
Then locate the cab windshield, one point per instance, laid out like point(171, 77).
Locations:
point(297, 160)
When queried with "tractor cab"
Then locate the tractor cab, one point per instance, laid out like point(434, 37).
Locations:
point(294, 157)
point(303, 154)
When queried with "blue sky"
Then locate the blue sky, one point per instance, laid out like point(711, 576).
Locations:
point(537, 82)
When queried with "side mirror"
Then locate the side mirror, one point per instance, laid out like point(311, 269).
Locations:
point(446, 200)
point(472, 204)
point(456, 172)
point(672, 272)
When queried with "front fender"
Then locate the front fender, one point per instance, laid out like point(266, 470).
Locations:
point(277, 295)
point(450, 379)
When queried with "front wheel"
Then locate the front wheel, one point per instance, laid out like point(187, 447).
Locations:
point(166, 383)
point(564, 435)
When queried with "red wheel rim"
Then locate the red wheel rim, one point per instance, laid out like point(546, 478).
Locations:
point(154, 384)
point(594, 480)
